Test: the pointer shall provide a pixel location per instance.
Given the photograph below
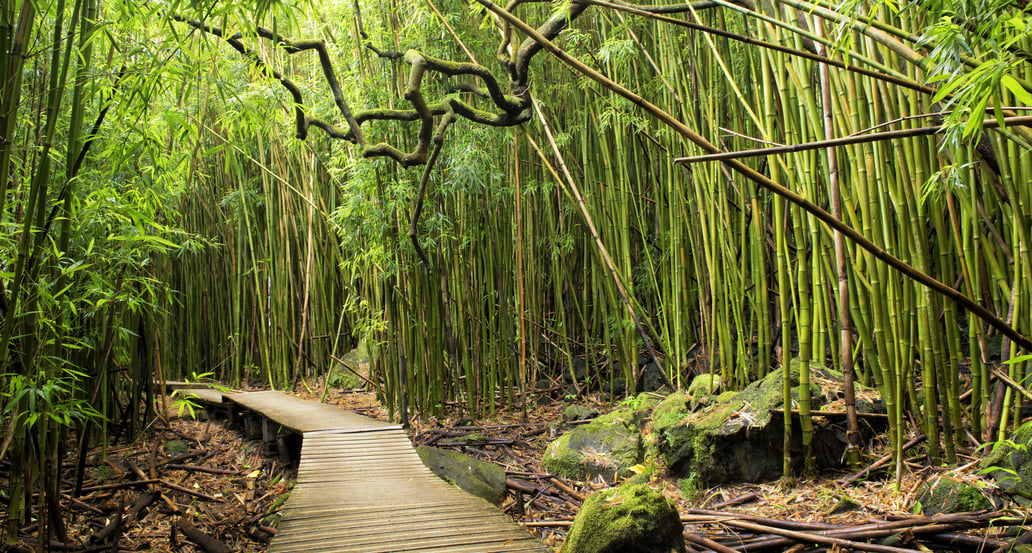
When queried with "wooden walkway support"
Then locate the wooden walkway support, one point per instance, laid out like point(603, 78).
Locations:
point(361, 488)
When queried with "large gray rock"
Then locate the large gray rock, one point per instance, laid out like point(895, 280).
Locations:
point(482, 479)
point(341, 377)
point(737, 438)
point(606, 446)
point(651, 378)
point(629, 519)
point(1010, 464)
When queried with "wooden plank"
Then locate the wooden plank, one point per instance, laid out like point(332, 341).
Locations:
point(303, 416)
point(204, 395)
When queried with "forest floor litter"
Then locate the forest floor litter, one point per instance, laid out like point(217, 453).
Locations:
point(198, 485)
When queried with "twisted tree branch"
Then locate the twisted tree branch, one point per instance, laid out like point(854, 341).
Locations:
point(508, 109)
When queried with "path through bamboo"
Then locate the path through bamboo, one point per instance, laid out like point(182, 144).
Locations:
point(361, 488)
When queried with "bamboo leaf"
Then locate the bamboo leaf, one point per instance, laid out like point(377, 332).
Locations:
point(1016, 89)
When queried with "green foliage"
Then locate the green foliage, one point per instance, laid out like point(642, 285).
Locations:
point(974, 49)
point(28, 401)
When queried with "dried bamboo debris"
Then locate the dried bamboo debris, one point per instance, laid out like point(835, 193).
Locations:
point(708, 529)
point(134, 499)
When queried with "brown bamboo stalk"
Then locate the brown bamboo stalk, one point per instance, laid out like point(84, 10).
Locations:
point(1018, 120)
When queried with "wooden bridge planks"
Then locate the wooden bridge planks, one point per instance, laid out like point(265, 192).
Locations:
point(361, 488)
point(205, 395)
point(300, 415)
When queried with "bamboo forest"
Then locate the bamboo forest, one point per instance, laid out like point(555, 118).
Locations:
point(781, 246)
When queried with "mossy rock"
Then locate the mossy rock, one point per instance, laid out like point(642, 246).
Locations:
point(1010, 464)
point(607, 446)
point(579, 413)
point(629, 519)
point(339, 377)
point(740, 439)
point(482, 479)
point(474, 438)
point(704, 385)
point(343, 379)
point(176, 447)
point(945, 495)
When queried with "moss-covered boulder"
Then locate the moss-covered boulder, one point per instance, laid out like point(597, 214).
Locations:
point(575, 413)
point(944, 495)
point(1010, 464)
point(474, 476)
point(738, 438)
point(607, 446)
point(176, 447)
point(629, 519)
point(342, 375)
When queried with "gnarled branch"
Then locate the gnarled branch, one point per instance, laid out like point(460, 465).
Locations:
point(509, 109)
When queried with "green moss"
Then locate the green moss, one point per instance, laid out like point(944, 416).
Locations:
point(278, 503)
point(726, 396)
point(950, 496)
point(704, 385)
point(644, 477)
point(629, 519)
point(674, 407)
point(647, 400)
point(579, 413)
point(630, 418)
point(176, 447)
point(690, 486)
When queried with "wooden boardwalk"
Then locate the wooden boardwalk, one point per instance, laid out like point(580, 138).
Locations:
point(203, 393)
point(361, 488)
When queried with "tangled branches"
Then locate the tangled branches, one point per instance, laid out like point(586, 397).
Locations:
point(507, 108)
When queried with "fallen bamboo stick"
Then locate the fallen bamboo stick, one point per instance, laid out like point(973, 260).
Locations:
point(209, 470)
point(121, 485)
point(821, 538)
point(746, 498)
point(204, 541)
point(720, 516)
point(188, 491)
point(884, 460)
point(547, 524)
point(699, 539)
point(567, 489)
